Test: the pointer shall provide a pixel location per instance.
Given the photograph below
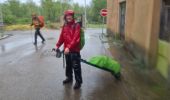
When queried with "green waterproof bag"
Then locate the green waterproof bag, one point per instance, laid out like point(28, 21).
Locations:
point(106, 63)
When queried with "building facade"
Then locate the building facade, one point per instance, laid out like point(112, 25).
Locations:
point(144, 25)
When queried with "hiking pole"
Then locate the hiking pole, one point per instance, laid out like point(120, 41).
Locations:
point(63, 59)
point(32, 35)
point(59, 54)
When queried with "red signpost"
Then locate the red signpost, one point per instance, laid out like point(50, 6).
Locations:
point(103, 13)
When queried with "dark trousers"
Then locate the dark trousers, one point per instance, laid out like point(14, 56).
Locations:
point(38, 33)
point(73, 63)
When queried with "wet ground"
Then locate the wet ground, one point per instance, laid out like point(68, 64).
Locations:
point(33, 73)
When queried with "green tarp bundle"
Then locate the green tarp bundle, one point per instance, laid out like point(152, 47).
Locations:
point(106, 63)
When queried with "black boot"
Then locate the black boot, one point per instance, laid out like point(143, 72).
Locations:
point(77, 85)
point(43, 42)
point(68, 80)
point(35, 43)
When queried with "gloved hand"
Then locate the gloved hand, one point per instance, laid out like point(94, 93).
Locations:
point(53, 49)
point(58, 52)
point(66, 51)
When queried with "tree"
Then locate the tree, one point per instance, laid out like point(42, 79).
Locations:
point(94, 10)
point(15, 12)
point(14, 6)
point(7, 14)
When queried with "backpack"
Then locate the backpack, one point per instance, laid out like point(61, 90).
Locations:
point(41, 19)
point(82, 38)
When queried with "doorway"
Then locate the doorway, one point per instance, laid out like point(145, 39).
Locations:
point(122, 20)
point(165, 21)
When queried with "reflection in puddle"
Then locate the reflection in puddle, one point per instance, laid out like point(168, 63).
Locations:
point(39, 47)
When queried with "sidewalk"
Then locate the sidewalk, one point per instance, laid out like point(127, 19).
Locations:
point(138, 82)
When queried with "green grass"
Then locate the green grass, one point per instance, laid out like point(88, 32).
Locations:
point(53, 25)
point(28, 27)
point(17, 27)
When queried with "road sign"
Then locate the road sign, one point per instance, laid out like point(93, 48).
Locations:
point(103, 12)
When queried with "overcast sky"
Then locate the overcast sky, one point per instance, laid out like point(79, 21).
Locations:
point(81, 2)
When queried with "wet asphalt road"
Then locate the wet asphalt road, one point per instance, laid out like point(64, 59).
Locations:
point(33, 73)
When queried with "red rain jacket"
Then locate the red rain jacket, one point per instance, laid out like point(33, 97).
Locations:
point(70, 36)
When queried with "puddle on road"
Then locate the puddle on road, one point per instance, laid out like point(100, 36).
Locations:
point(28, 52)
point(11, 45)
point(50, 38)
point(19, 57)
point(20, 54)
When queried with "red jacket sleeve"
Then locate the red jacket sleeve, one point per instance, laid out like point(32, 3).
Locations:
point(76, 40)
point(61, 39)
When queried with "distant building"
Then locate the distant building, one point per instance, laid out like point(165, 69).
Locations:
point(144, 25)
